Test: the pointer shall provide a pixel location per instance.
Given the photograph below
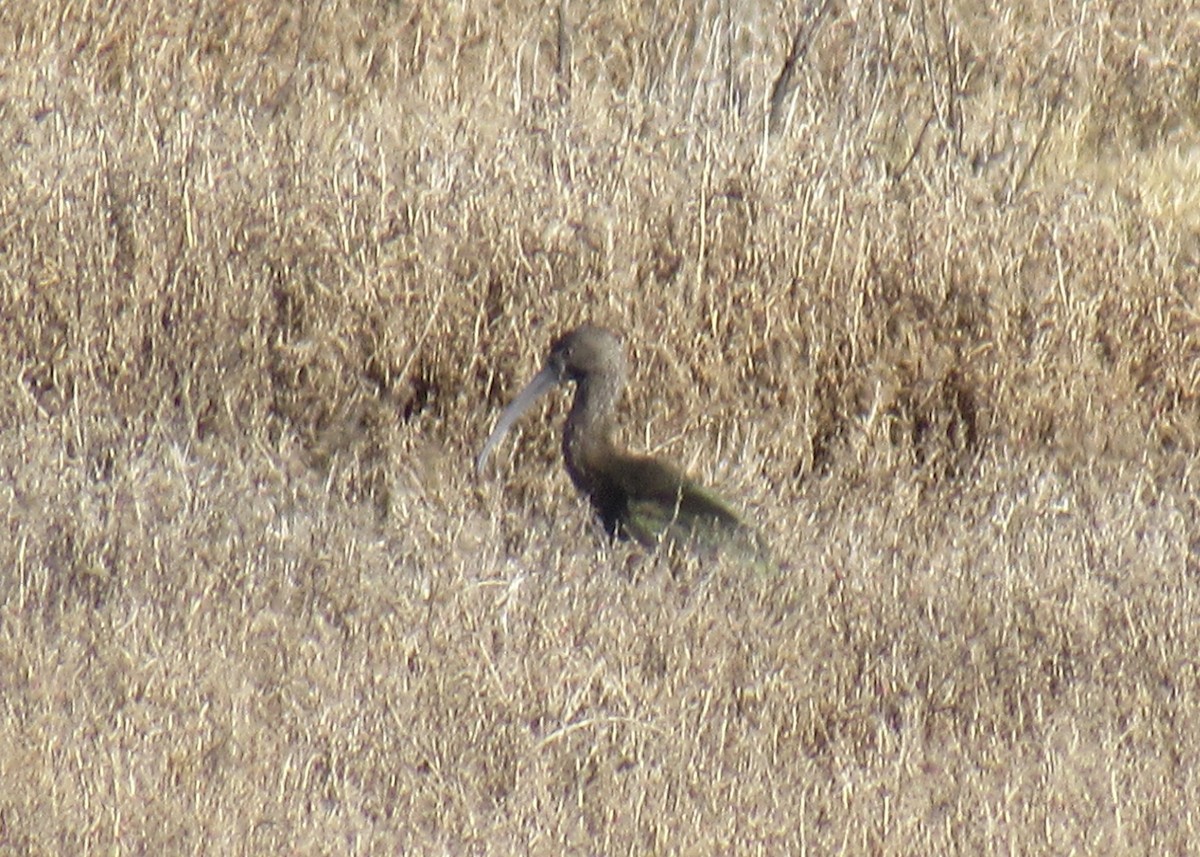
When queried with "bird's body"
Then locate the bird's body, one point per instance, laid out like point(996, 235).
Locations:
point(635, 496)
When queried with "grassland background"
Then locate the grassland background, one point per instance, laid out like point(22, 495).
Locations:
point(928, 310)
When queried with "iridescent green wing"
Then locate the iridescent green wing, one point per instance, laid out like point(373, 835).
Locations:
point(661, 501)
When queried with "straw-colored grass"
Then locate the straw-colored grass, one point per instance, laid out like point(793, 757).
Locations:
point(923, 302)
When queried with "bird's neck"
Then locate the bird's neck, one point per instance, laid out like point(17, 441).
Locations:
point(587, 438)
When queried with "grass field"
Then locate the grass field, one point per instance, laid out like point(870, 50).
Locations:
point(915, 286)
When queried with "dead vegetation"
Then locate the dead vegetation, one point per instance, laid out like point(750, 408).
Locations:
point(916, 285)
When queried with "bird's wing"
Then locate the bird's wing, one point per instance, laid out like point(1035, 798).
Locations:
point(661, 499)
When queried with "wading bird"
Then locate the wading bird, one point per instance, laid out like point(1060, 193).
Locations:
point(635, 496)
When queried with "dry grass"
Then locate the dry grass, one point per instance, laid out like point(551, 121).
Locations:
point(268, 271)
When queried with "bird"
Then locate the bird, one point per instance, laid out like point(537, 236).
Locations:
point(636, 497)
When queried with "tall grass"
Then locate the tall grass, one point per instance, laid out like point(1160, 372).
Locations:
point(916, 286)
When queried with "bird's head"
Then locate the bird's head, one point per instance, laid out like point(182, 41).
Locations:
point(584, 352)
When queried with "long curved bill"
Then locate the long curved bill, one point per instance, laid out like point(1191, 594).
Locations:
point(541, 382)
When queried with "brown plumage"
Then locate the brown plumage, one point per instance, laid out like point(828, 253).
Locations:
point(635, 496)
